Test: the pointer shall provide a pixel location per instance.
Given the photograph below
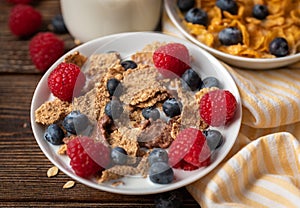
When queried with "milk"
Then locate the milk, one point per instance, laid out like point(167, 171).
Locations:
point(89, 19)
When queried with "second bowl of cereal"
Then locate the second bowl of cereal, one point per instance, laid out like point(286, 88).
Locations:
point(248, 34)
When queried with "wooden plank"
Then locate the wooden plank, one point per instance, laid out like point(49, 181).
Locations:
point(14, 55)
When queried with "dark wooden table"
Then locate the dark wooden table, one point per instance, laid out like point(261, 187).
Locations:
point(23, 166)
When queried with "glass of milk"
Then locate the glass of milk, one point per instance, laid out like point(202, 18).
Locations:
point(89, 19)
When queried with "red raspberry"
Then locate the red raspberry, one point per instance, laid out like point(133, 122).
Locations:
point(87, 156)
point(45, 48)
point(19, 1)
point(24, 20)
point(171, 59)
point(189, 150)
point(218, 107)
point(65, 81)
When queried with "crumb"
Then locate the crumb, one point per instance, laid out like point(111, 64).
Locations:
point(76, 58)
point(117, 183)
point(62, 149)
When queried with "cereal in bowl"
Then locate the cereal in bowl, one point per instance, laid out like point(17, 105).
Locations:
point(247, 28)
point(141, 116)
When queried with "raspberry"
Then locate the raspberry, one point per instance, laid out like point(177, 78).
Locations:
point(171, 59)
point(218, 107)
point(45, 48)
point(189, 150)
point(65, 80)
point(19, 1)
point(24, 20)
point(87, 156)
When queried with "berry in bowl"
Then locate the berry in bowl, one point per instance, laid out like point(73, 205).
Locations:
point(246, 33)
point(132, 113)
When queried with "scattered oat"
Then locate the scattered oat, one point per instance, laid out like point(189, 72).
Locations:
point(25, 125)
point(53, 171)
point(62, 149)
point(69, 184)
point(117, 183)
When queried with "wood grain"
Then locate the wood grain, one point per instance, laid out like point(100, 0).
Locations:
point(23, 166)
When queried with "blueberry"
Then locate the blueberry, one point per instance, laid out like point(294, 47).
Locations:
point(158, 155)
point(185, 5)
point(75, 122)
point(260, 11)
point(172, 107)
point(214, 138)
point(151, 112)
point(58, 24)
point(197, 16)
point(119, 155)
point(228, 5)
point(171, 199)
point(114, 87)
point(279, 47)
point(54, 134)
point(191, 79)
point(210, 82)
point(161, 173)
point(114, 109)
point(230, 36)
point(128, 64)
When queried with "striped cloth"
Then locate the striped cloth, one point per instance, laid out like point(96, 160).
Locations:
point(263, 167)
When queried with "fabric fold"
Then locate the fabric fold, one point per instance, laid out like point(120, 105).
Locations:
point(264, 173)
point(271, 98)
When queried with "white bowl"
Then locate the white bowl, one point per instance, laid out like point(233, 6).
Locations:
point(242, 62)
point(127, 44)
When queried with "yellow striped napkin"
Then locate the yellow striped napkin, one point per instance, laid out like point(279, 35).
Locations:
point(263, 167)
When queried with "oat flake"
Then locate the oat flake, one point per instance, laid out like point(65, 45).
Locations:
point(69, 184)
point(52, 171)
